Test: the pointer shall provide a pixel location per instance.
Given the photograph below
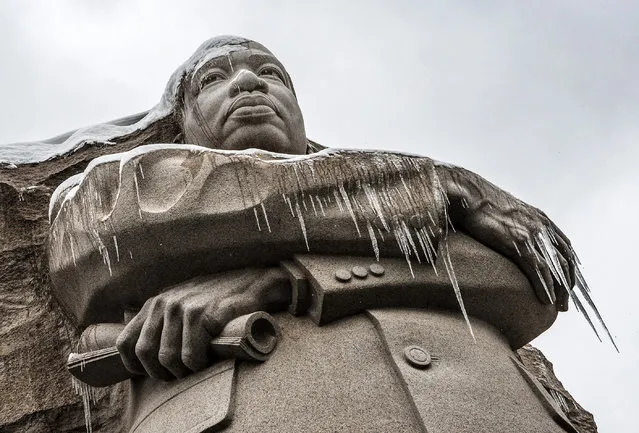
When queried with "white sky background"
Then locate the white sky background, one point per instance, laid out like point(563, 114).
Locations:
point(541, 98)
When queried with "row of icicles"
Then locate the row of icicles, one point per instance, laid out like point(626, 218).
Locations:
point(376, 196)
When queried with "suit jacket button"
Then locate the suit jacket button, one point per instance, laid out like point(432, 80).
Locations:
point(417, 356)
point(376, 269)
point(359, 271)
point(342, 275)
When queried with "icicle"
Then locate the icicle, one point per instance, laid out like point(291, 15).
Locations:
point(375, 204)
point(311, 167)
point(337, 200)
point(348, 205)
point(88, 395)
point(290, 205)
point(319, 201)
point(297, 177)
point(402, 242)
point(583, 311)
point(430, 217)
point(409, 238)
point(453, 280)
point(550, 256)
point(450, 223)
point(543, 283)
point(427, 246)
point(137, 193)
point(228, 57)
point(406, 188)
point(427, 255)
point(585, 291)
point(117, 251)
point(268, 226)
point(430, 229)
point(544, 243)
point(532, 250)
point(371, 234)
point(516, 248)
point(302, 225)
point(257, 220)
point(72, 251)
point(102, 249)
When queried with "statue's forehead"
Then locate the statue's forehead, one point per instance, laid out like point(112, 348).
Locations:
point(227, 56)
point(216, 52)
point(225, 50)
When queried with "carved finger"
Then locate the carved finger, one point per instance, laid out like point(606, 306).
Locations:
point(543, 284)
point(126, 342)
point(538, 274)
point(148, 346)
point(494, 232)
point(563, 246)
point(559, 234)
point(170, 353)
point(240, 304)
point(195, 342)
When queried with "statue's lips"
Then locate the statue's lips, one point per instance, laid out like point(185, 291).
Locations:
point(252, 105)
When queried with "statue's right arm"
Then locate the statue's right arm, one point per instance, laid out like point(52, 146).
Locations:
point(169, 337)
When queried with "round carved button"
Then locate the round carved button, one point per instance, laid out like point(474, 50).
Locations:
point(360, 271)
point(417, 356)
point(342, 275)
point(376, 269)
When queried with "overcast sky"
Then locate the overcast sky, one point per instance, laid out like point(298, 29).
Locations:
point(540, 97)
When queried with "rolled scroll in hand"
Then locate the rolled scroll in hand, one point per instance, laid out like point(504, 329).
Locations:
point(251, 337)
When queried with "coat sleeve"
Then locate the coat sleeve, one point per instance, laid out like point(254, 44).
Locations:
point(331, 287)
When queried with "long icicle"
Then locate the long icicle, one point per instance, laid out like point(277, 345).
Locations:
point(453, 280)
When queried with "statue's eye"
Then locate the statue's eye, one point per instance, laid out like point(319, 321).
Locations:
point(213, 77)
point(272, 72)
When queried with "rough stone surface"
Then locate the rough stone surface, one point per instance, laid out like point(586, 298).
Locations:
point(542, 369)
point(35, 336)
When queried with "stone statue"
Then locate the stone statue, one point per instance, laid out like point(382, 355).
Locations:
point(423, 276)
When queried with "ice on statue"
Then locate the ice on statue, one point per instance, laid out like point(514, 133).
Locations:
point(410, 280)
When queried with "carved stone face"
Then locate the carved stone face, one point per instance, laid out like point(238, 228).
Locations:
point(243, 100)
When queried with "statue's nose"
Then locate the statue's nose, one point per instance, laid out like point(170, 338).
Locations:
point(247, 81)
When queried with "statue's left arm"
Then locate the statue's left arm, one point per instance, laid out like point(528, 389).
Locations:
point(513, 228)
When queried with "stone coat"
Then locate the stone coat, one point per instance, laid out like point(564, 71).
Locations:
point(374, 364)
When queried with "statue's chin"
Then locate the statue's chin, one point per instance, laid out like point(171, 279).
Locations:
point(265, 137)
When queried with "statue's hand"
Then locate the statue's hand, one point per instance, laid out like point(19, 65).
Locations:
point(526, 236)
point(170, 335)
point(515, 229)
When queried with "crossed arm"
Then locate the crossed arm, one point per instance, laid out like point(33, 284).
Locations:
point(169, 336)
point(513, 228)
